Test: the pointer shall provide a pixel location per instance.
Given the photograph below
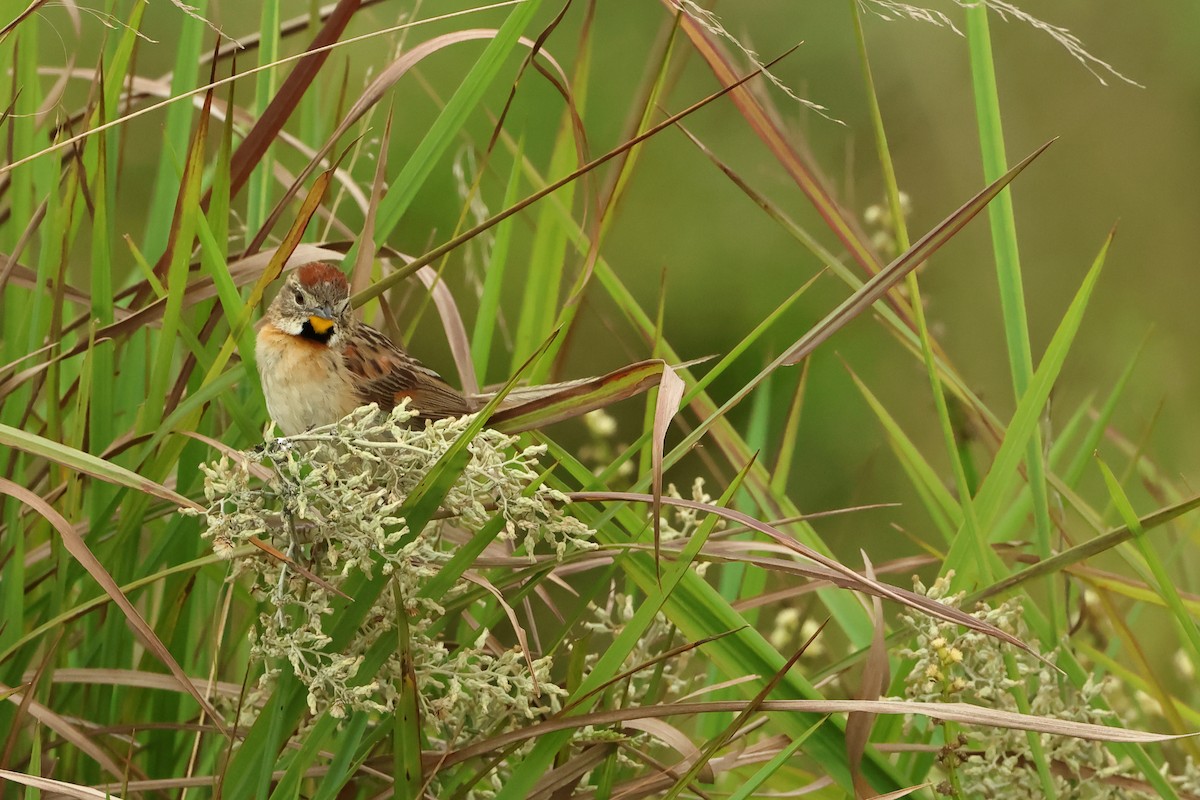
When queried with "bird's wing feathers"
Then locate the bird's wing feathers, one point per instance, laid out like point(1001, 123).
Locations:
point(385, 374)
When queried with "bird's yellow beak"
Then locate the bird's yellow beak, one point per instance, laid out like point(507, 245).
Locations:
point(320, 325)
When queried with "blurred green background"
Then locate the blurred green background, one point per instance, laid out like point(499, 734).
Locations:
point(1124, 154)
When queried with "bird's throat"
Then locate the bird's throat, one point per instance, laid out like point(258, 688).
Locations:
point(308, 332)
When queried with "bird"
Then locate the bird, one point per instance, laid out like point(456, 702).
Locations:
point(317, 363)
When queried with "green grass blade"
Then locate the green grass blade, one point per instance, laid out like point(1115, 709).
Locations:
point(488, 316)
point(1008, 267)
point(88, 464)
point(943, 509)
point(965, 512)
point(1160, 578)
point(543, 281)
point(1004, 473)
point(175, 133)
point(183, 234)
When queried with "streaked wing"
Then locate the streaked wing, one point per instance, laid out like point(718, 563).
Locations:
point(385, 374)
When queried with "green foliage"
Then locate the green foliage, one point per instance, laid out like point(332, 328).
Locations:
point(387, 606)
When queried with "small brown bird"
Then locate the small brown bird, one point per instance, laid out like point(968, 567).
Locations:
point(317, 363)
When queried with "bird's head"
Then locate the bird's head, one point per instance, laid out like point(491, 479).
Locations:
point(314, 303)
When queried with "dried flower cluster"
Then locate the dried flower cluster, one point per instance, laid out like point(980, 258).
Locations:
point(678, 524)
point(332, 500)
point(957, 665)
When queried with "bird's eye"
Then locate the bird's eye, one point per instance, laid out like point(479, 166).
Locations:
point(299, 298)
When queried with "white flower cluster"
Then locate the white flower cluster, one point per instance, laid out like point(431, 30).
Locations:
point(678, 523)
point(957, 665)
point(331, 501)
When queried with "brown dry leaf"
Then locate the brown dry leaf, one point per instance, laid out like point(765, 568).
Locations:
point(896, 795)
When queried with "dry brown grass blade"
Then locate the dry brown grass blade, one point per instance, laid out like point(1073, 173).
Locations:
point(720, 686)
point(731, 551)
point(25, 277)
point(24, 15)
point(670, 395)
point(871, 686)
point(79, 550)
point(69, 730)
point(743, 718)
point(822, 576)
point(766, 125)
point(250, 42)
point(560, 782)
point(675, 739)
point(31, 683)
point(35, 221)
point(896, 795)
point(894, 272)
point(57, 788)
point(364, 259)
point(510, 612)
point(19, 378)
point(667, 655)
point(140, 679)
point(964, 713)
